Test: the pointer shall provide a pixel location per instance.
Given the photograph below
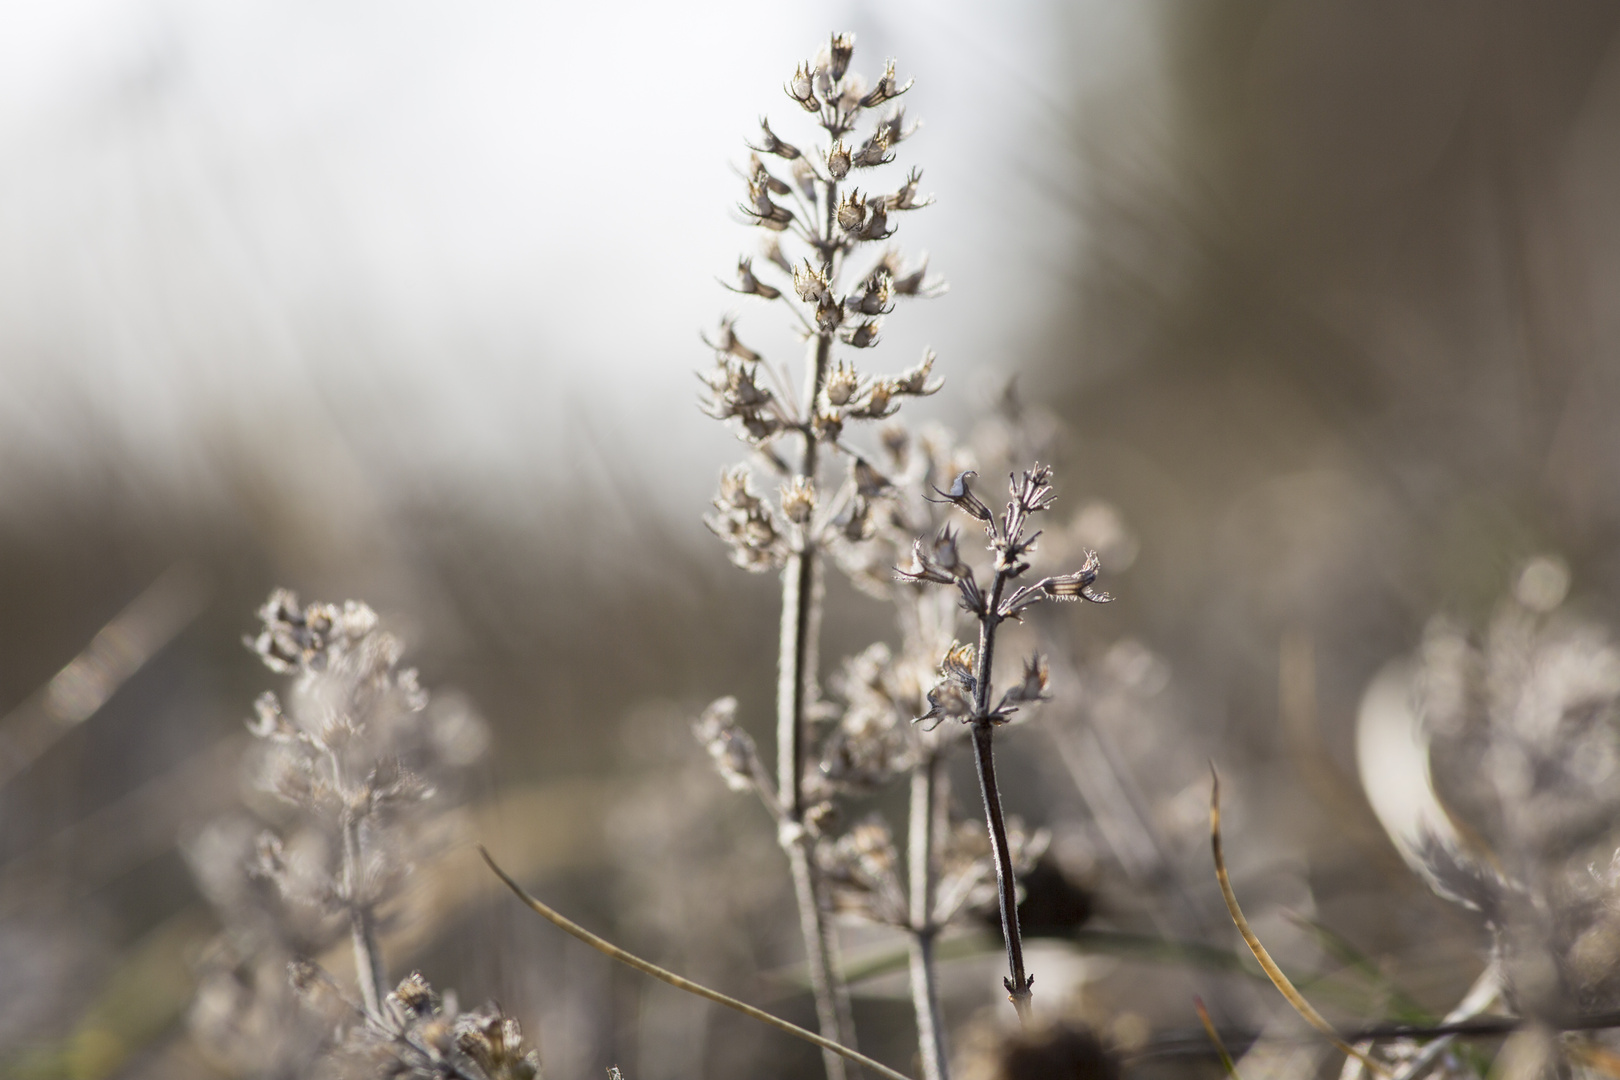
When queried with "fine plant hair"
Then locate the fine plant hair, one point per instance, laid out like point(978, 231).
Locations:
point(795, 433)
point(360, 767)
point(866, 735)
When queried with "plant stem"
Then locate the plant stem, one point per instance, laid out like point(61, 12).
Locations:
point(927, 806)
point(1018, 985)
point(795, 687)
point(368, 964)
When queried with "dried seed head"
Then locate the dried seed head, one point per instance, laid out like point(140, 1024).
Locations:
point(839, 51)
point(761, 209)
point(874, 151)
point(878, 402)
point(916, 282)
point(726, 345)
point(495, 1041)
point(838, 160)
point(804, 174)
point(748, 283)
point(1078, 585)
point(869, 483)
point(887, 87)
point(961, 494)
point(762, 175)
point(877, 219)
point(811, 283)
point(829, 314)
point(772, 250)
point(918, 381)
point(874, 296)
point(770, 144)
point(863, 335)
point(862, 869)
point(801, 88)
point(895, 126)
point(798, 500)
point(907, 198)
point(842, 384)
point(852, 212)
point(828, 425)
point(731, 748)
point(742, 520)
point(1031, 688)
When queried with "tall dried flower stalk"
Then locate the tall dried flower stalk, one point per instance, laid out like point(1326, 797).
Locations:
point(353, 759)
point(830, 224)
point(965, 692)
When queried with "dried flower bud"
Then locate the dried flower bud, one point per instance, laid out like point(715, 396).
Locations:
point(838, 160)
point(864, 335)
point(886, 87)
point(874, 151)
point(852, 211)
point(770, 144)
point(748, 283)
point(798, 500)
point(841, 384)
point(839, 51)
point(801, 89)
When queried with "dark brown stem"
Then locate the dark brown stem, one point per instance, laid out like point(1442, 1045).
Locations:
point(1018, 984)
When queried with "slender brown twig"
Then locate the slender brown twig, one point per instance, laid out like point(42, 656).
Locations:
point(1281, 981)
point(607, 948)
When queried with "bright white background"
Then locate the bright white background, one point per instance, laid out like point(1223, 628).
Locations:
point(438, 239)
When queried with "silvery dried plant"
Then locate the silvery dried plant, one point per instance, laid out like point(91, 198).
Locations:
point(357, 762)
point(818, 223)
point(866, 736)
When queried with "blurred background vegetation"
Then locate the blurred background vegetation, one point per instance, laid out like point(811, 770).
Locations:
point(400, 302)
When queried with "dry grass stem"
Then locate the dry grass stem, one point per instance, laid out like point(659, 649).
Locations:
point(1284, 986)
point(607, 948)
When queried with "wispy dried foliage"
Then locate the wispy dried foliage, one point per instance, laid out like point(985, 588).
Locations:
point(361, 768)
